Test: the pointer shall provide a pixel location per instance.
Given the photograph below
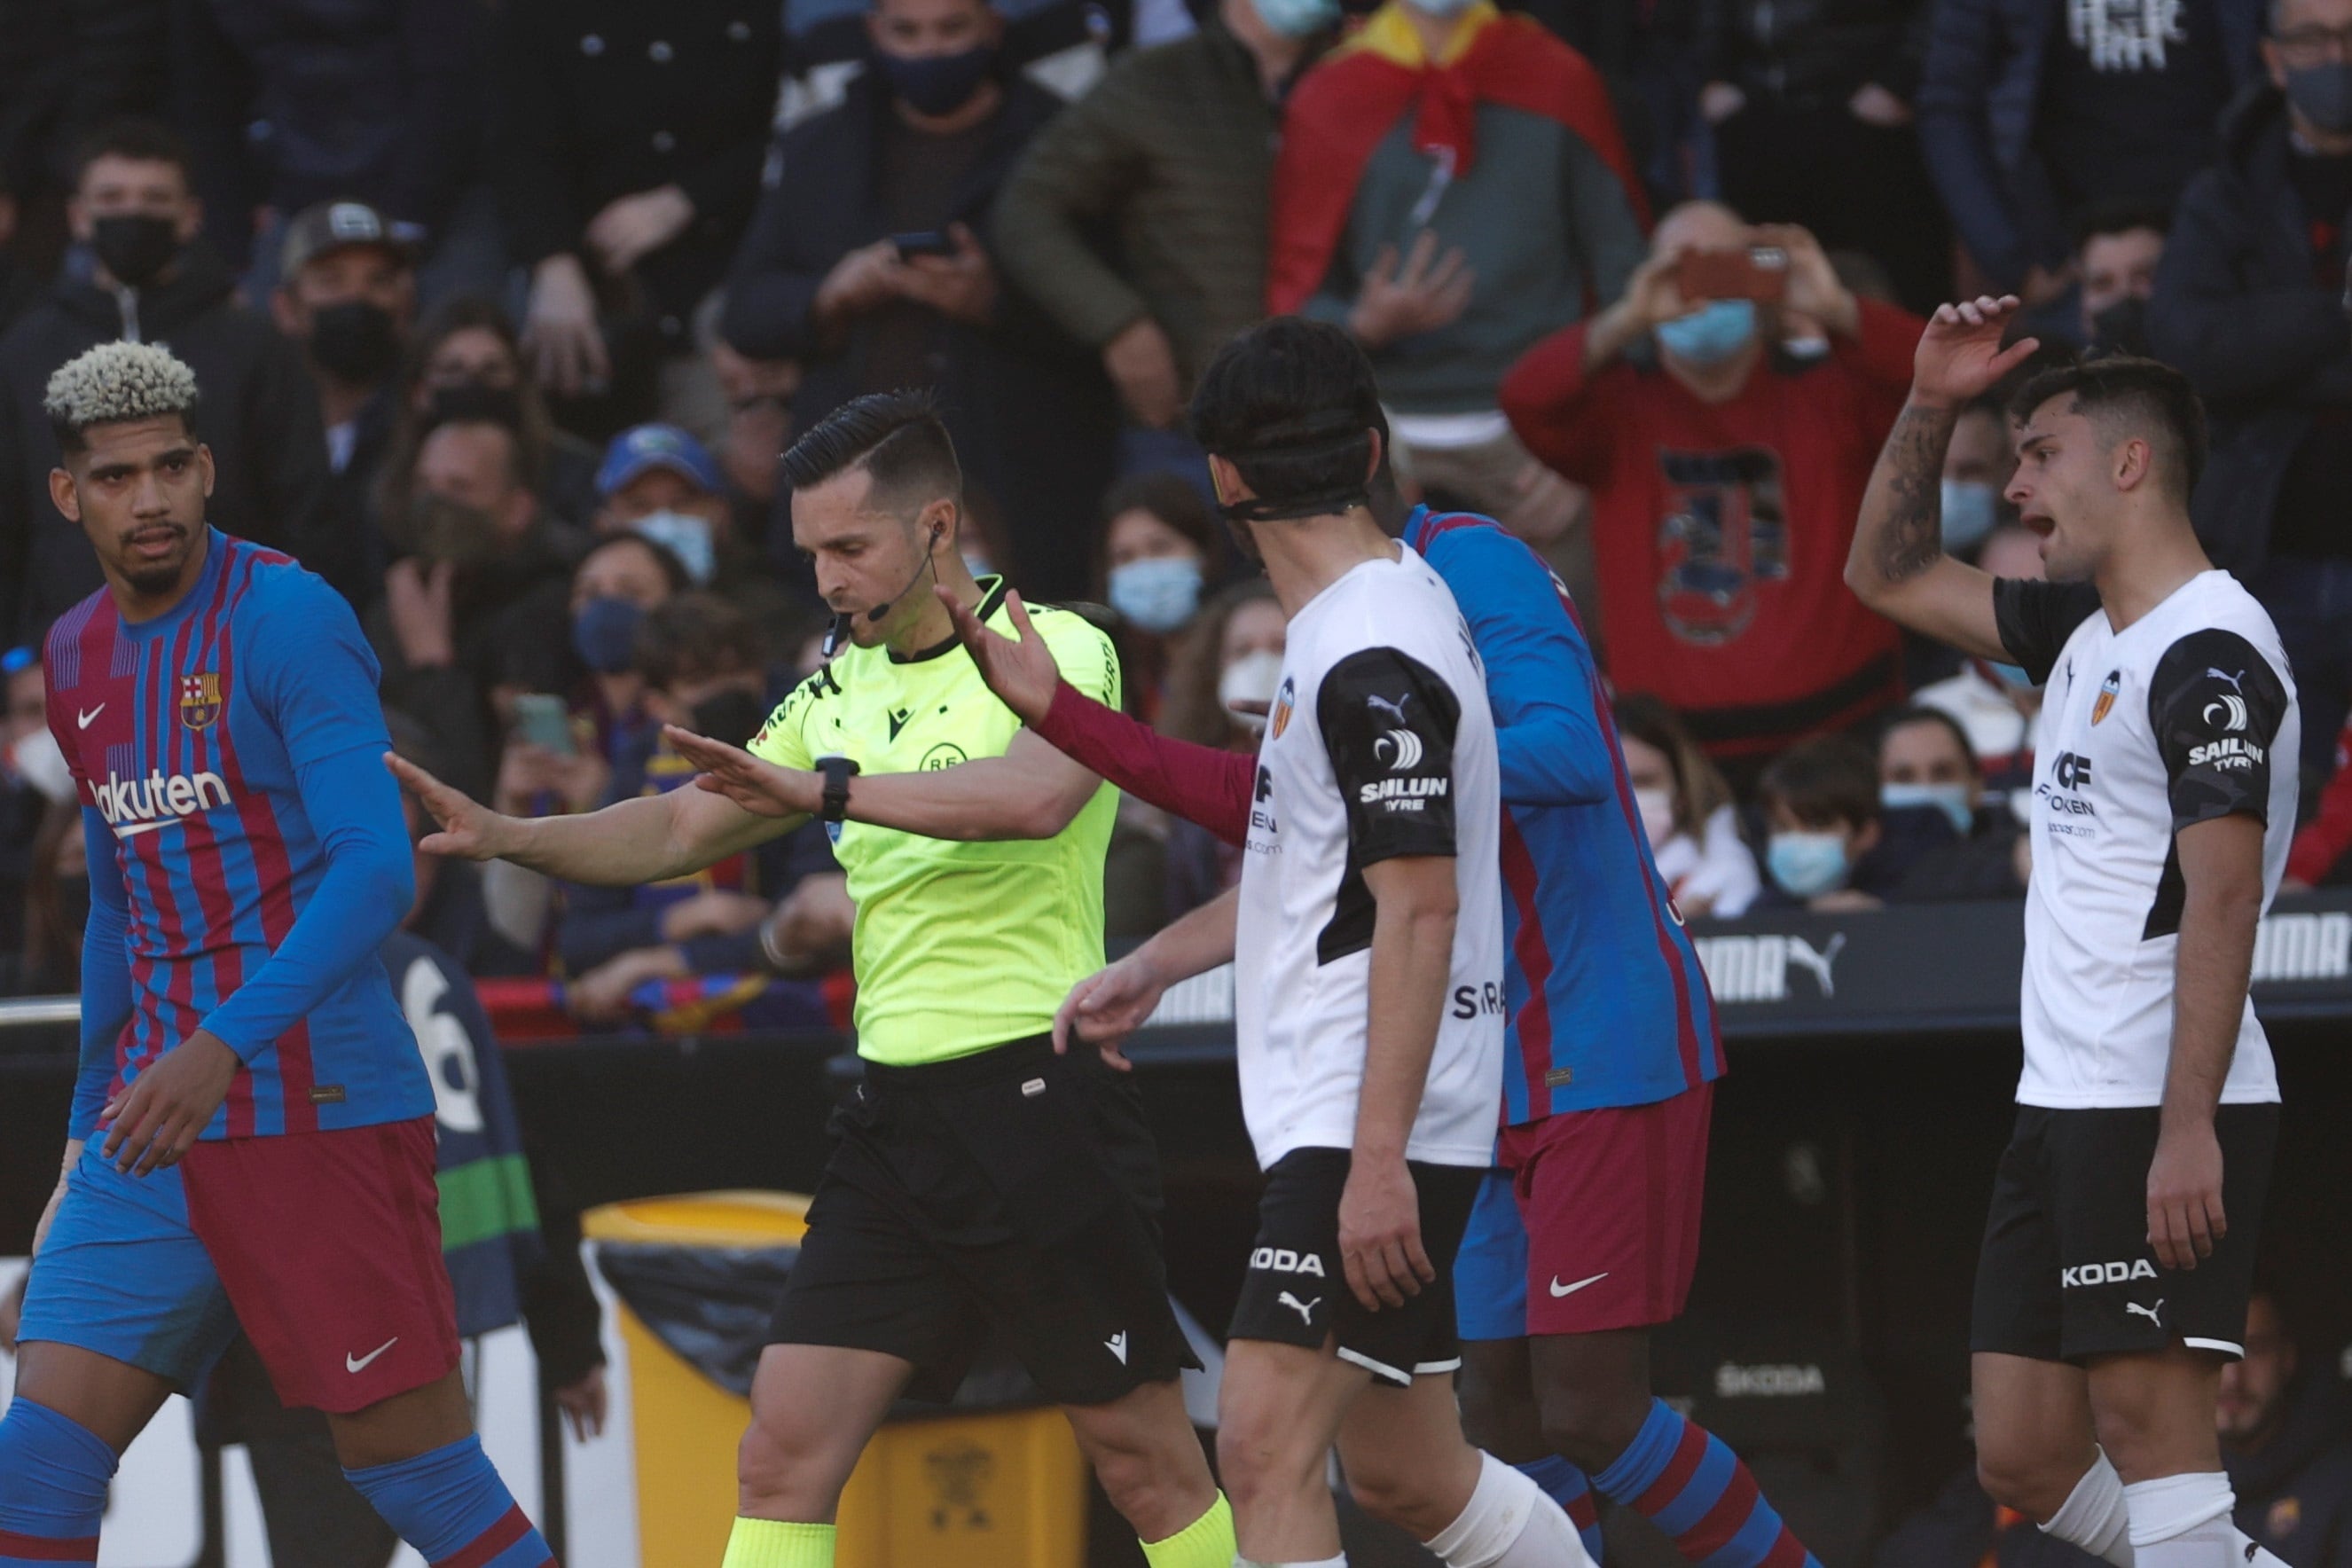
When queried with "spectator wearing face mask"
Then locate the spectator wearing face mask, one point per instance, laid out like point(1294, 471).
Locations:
point(346, 294)
point(1451, 186)
point(150, 279)
point(1687, 811)
point(1219, 693)
point(704, 668)
point(2250, 303)
point(1977, 467)
point(467, 357)
point(869, 261)
point(2285, 1444)
point(1826, 847)
point(621, 580)
point(33, 778)
point(1925, 764)
point(2118, 245)
point(1159, 553)
point(474, 604)
point(1725, 478)
point(1996, 705)
point(1171, 151)
point(661, 483)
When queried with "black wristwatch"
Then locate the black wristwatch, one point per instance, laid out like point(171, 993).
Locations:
point(837, 772)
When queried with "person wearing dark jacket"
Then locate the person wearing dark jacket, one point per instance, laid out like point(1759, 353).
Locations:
point(917, 150)
point(2284, 1442)
point(293, 102)
point(1811, 104)
point(2249, 304)
point(626, 141)
point(1172, 152)
point(2028, 109)
point(154, 279)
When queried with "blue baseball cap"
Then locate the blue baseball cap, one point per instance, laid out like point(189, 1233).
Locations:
point(648, 447)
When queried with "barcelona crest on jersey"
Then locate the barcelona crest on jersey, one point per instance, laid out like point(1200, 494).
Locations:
point(200, 699)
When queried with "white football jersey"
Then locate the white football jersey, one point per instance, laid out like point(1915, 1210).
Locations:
point(1379, 745)
point(2185, 715)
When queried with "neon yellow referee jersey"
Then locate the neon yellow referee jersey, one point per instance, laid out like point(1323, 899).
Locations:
point(958, 946)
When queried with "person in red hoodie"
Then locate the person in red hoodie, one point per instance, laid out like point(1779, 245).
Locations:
point(1727, 466)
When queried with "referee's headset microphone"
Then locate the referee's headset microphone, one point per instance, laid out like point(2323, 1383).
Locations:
point(838, 632)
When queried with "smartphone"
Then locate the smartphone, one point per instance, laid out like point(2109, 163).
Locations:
point(541, 719)
point(1757, 272)
point(923, 242)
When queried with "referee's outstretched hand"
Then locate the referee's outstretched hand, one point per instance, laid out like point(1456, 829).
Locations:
point(756, 785)
point(1105, 1007)
point(1020, 671)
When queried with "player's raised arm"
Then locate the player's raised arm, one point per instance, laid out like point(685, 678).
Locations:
point(631, 842)
point(1897, 565)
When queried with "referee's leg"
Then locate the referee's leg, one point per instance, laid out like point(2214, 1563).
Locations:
point(812, 1409)
point(1148, 1460)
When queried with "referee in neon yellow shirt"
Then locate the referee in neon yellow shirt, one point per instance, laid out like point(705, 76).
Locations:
point(981, 1180)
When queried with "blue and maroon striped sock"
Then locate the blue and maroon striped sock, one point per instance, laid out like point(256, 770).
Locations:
point(452, 1507)
point(1567, 1486)
point(53, 1477)
point(1681, 1478)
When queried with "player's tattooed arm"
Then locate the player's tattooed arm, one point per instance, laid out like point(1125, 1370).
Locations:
point(1897, 564)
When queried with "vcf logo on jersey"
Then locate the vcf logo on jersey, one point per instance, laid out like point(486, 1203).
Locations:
point(2109, 690)
point(1724, 532)
point(200, 699)
point(1284, 701)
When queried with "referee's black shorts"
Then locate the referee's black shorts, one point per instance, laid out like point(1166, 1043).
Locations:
point(1011, 1190)
point(2067, 1273)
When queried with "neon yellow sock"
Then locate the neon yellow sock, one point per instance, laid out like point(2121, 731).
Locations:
point(1207, 1542)
point(772, 1543)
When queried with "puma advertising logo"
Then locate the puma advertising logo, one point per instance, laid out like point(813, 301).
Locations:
point(1306, 1310)
point(1817, 962)
point(357, 1363)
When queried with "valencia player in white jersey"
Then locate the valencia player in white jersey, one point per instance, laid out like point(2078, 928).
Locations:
point(2119, 1255)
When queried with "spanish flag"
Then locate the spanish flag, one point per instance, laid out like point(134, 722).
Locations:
point(1341, 110)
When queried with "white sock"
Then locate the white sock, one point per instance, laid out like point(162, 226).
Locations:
point(2094, 1517)
point(1509, 1523)
point(2183, 1521)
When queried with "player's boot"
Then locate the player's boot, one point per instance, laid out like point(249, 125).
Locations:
point(53, 1478)
point(450, 1505)
point(1683, 1479)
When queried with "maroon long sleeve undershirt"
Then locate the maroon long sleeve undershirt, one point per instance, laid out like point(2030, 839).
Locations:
point(1199, 784)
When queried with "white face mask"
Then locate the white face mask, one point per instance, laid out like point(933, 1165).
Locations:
point(688, 536)
point(1658, 807)
point(37, 761)
point(1252, 678)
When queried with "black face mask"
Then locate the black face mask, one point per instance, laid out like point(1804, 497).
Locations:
point(2324, 93)
point(134, 247)
point(2122, 327)
point(443, 530)
point(937, 84)
point(733, 717)
point(354, 341)
point(471, 402)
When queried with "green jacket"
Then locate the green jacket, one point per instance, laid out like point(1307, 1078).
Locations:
point(1164, 166)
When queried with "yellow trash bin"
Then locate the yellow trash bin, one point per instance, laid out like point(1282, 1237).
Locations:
point(980, 1489)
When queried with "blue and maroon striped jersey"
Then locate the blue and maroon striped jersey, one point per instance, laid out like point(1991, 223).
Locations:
point(1606, 1003)
point(244, 839)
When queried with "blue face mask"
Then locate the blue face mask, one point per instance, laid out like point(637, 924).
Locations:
point(1297, 18)
point(1712, 333)
point(1952, 799)
point(687, 537)
point(1968, 513)
point(1807, 864)
point(604, 634)
point(2012, 676)
point(1159, 594)
point(937, 84)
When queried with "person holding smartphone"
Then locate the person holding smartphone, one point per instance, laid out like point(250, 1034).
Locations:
point(1726, 471)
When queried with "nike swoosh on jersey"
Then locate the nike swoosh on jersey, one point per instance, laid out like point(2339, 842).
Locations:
point(1560, 1289)
point(83, 721)
point(133, 829)
point(360, 1362)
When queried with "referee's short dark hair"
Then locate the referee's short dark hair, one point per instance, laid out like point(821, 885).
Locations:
point(897, 437)
point(2124, 392)
point(1291, 403)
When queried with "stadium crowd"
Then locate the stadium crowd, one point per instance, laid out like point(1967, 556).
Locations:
point(503, 310)
point(502, 314)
